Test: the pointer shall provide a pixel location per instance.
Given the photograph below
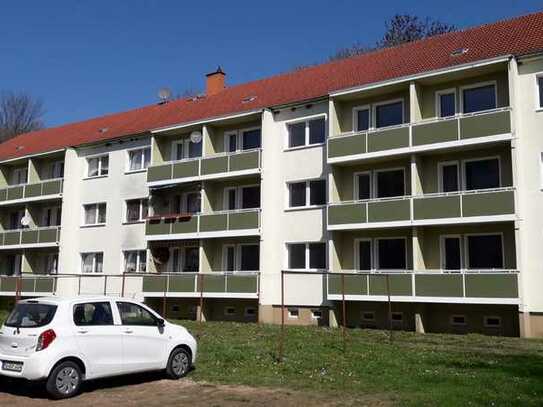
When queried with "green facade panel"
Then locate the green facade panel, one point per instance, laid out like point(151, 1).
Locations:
point(15, 193)
point(435, 132)
point(29, 236)
point(8, 283)
point(154, 284)
point(439, 285)
point(52, 187)
point(389, 211)
point(214, 165)
point(346, 214)
point(213, 223)
point(212, 284)
point(3, 194)
point(45, 285)
point(241, 284)
point(489, 204)
point(356, 284)
point(11, 238)
point(32, 190)
point(159, 172)
point(186, 169)
point(436, 207)
point(244, 161)
point(388, 139)
point(492, 285)
point(398, 284)
point(182, 284)
point(48, 235)
point(184, 226)
point(158, 227)
point(344, 146)
point(484, 125)
point(243, 220)
point(27, 284)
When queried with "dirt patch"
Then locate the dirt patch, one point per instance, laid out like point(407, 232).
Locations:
point(152, 391)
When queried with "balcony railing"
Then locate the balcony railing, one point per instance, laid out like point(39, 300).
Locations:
point(421, 135)
point(35, 191)
point(215, 166)
point(235, 223)
point(28, 284)
point(44, 236)
point(497, 286)
point(422, 209)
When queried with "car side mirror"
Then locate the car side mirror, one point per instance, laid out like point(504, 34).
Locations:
point(161, 323)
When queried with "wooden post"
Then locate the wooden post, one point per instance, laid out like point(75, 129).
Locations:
point(344, 313)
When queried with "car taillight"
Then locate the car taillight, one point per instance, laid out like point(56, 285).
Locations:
point(45, 339)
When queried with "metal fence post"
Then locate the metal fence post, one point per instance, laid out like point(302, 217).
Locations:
point(122, 286)
point(18, 287)
point(282, 336)
point(201, 280)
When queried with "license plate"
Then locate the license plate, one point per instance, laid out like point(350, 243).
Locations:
point(12, 366)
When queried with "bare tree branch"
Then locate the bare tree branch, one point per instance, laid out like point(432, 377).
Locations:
point(19, 113)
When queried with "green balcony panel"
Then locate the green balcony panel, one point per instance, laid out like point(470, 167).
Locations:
point(3, 194)
point(214, 165)
point(182, 284)
point(48, 235)
point(492, 285)
point(154, 284)
point(184, 226)
point(398, 284)
point(15, 193)
point(52, 187)
point(439, 285)
point(212, 284)
point(159, 172)
point(161, 227)
point(436, 132)
point(45, 285)
point(389, 211)
point(186, 169)
point(29, 236)
point(27, 284)
point(344, 146)
point(347, 214)
point(388, 139)
point(484, 125)
point(241, 284)
point(243, 220)
point(244, 161)
point(355, 284)
point(489, 203)
point(32, 190)
point(8, 283)
point(436, 207)
point(212, 223)
point(11, 238)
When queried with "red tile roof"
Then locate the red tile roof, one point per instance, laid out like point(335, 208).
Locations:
point(518, 36)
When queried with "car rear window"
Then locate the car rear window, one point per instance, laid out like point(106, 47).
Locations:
point(31, 315)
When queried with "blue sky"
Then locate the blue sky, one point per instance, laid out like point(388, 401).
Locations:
point(85, 59)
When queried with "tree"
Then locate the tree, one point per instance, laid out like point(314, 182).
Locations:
point(19, 113)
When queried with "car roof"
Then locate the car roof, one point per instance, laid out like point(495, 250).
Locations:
point(69, 299)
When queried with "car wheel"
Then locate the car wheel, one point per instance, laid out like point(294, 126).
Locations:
point(64, 380)
point(178, 364)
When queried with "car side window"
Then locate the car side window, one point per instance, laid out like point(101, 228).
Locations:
point(93, 313)
point(133, 314)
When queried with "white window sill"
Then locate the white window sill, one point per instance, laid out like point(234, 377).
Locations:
point(96, 177)
point(304, 208)
point(539, 109)
point(94, 225)
point(304, 147)
point(128, 172)
point(134, 222)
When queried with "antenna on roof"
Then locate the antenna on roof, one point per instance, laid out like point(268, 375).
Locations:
point(164, 94)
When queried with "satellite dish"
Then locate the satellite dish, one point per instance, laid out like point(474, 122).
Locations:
point(25, 221)
point(164, 94)
point(196, 136)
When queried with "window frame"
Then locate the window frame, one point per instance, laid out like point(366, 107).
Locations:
point(486, 158)
point(138, 260)
point(93, 302)
point(375, 188)
point(237, 256)
point(307, 194)
point(140, 219)
point(357, 253)
point(356, 109)
point(355, 184)
point(487, 325)
point(440, 166)
point(466, 248)
point(99, 158)
point(377, 264)
point(182, 258)
point(56, 212)
point(142, 150)
point(239, 139)
point(438, 95)
point(239, 197)
point(18, 170)
point(94, 263)
point(97, 205)
point(153, 316)
point(458, 324)
point(183, 201)
point(54, 165)
point(374, 106)
point(538, 96)
point(307, 256)
point(478, 85)
point(442, 253)
point(305, 120)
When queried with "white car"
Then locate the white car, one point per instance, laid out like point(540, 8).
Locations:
point(68, 340)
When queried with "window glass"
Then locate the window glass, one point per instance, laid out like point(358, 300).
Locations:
point(389, 115)
point(139, 159)
point(317, 131)
point(179, 151)
point(296, 256)
point(250, 197)
point(250, 258)
point(192, 259)
point(57, 169)
point(26, 315)
point(104, 165)
point(540, 89)
point(317, 192)
point(92, 262)
point(15, 218)
point(317, 255)
point(447, 105)
point(231, 199)
point(296, 134)
point(478, 99)
point(391, 254)
point(133, 210)
point(390, 183)
point(135, 261)
point(364, 255)
point(297, 194)
point(362, 120)
point(195, 149)
point(90, 214)
point(232, 142)
point(93, 313)
point(230, 258)
point(452, 253)
point(449, 178)
point(485, 252)
point(19, 176)
point(482, 174)
point(133, 314)
point(194, 202)
point(364, 190)
point(251, 139)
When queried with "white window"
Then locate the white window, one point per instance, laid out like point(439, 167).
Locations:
point(484, 251)
point(482, 173)
point(50, 263)
point(306, 256)
point(136, 210)
point(139, 159)
point(92, 262)
point(478, 97)
point(361, 118)
point(389, 113)
point(239, 140)
point(451, 252)
point(458, 320)
point(244, 197)
point(51, 216)
point(19, 176)
point(446, 103)
point(57, 170)
point(541, 170)
point(135, 261)
point(448, 176)
point(184, 149)
point(306, 133)
point(539, 91)
point(293, 313)
point(94, 214)
point(97, 166)
point(492, 321)
point(316, 314)
point(188, 202)
point(184, 259)
point(306, 193)
point(241, 257)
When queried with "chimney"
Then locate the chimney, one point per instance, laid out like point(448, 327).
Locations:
point(215, 82)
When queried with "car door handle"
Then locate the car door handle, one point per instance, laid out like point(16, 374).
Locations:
point(128, 331)
point(82, 331)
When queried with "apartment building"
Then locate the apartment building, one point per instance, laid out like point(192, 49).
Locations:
point(412, 174)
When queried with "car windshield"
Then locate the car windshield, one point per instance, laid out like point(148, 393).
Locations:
point(31, 315)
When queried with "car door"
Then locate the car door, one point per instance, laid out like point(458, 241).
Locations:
point(144, 342)
point(98, 338)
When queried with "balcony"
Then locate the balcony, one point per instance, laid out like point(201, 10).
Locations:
point(29, 238)
point(31, 192)
point(29, 285)
point(244, 222)
point(454, 207)
point(455, 131)
point(208, 285)
point(462, 286)
point(217, 166)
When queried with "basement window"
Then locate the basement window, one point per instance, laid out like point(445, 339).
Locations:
point(316, 314)
point(492, 322)
point(229, 311)
point(368, 316)
point(458, 320)
point(293, 313)
point(250, 311)
point(397, 317)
